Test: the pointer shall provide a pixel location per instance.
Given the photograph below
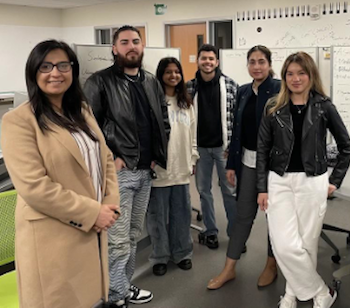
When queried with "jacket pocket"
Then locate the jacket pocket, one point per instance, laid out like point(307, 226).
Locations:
point(30, 214)
point(275, 155)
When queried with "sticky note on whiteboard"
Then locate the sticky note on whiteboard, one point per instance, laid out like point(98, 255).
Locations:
point(327, 54)
point(192, 59)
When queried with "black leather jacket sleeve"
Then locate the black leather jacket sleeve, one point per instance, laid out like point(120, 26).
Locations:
point(341, 136)
point(95, 98)
point(264, 146)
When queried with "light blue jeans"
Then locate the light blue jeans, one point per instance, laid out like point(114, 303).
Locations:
point(204, 173)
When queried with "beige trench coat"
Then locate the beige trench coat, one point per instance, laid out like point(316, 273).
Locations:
point(58, 259)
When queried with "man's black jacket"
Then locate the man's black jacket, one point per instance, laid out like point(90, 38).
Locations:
point(108, 93)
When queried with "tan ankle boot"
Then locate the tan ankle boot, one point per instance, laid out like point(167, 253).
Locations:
point(269, 273)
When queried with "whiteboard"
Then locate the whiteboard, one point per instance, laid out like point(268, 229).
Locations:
point(233, 62)
point(330, 29)
point(341, 82)
point(93, 58)
point(152, 56)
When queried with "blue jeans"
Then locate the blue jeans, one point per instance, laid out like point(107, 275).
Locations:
point(204, 173)
point(168, 224)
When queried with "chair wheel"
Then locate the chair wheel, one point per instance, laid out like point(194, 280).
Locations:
point(336, 284)
point(336, 258)
point(201, 238)
point(199, 217)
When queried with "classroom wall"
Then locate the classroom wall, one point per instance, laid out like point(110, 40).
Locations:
point(177, 10)
point(29, 16)
point(21, 28)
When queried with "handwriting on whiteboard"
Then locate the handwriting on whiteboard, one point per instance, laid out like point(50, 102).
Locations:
point(92, 57)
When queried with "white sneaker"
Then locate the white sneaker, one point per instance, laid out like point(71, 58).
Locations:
point(121, 303)
point(139, 296)
point(325, 301)
point(287, 303)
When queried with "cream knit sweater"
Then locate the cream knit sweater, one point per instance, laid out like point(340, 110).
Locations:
point(182, 147)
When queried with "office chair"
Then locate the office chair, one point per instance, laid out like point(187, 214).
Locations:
point(199, 214)
point(199, 218)
point(336, 257)
point(339, 274)
point(345, 270)
point(8, 284)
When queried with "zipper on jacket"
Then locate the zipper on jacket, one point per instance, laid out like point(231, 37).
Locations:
point(291, 147)
point(279, 121)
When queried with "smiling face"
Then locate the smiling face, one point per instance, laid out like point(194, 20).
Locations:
point(55, 83)
point(172, 75)
point(297, 80)
point(258, 66)
point(207, 62)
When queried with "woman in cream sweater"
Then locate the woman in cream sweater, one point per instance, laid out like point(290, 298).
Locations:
point(169, 212)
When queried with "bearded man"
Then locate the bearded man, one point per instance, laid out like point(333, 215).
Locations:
point(130, 107)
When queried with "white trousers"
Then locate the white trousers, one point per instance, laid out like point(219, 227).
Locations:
point(296, 208)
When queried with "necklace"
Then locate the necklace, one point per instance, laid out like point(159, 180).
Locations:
point(300, 109)
point(133, 80)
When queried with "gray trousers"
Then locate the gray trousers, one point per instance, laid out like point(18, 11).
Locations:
point(134, 188)
point(247, 208)
point(168, 224)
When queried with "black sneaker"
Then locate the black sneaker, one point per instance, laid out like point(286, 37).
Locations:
point(212, 241)
point(139, 296)
point(123, 303)
point(160, 269)
point(185, 264)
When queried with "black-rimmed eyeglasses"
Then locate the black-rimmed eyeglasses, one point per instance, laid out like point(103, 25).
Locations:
point(63, 67)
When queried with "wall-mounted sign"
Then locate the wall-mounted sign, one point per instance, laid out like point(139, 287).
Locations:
point(160, 9)
point(193, 59)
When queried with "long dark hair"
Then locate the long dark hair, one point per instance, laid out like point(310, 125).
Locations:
point(267, 54)
point(183, 99)
point(73, 98)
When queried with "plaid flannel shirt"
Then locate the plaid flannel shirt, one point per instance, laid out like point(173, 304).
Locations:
point(231, 97)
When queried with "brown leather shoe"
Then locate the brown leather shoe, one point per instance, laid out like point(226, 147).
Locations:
point(269, 273)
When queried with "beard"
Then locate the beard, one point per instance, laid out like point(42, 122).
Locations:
point(124, 62)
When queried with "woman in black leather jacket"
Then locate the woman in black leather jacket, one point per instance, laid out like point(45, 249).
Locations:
point(251, 101)
point(293, 181)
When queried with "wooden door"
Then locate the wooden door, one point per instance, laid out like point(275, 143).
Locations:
point(143, 34)
point(189, 38)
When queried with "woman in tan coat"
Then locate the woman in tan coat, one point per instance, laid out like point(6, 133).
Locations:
point(67, 190)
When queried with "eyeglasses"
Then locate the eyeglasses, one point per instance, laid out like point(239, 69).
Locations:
point(63, 67)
